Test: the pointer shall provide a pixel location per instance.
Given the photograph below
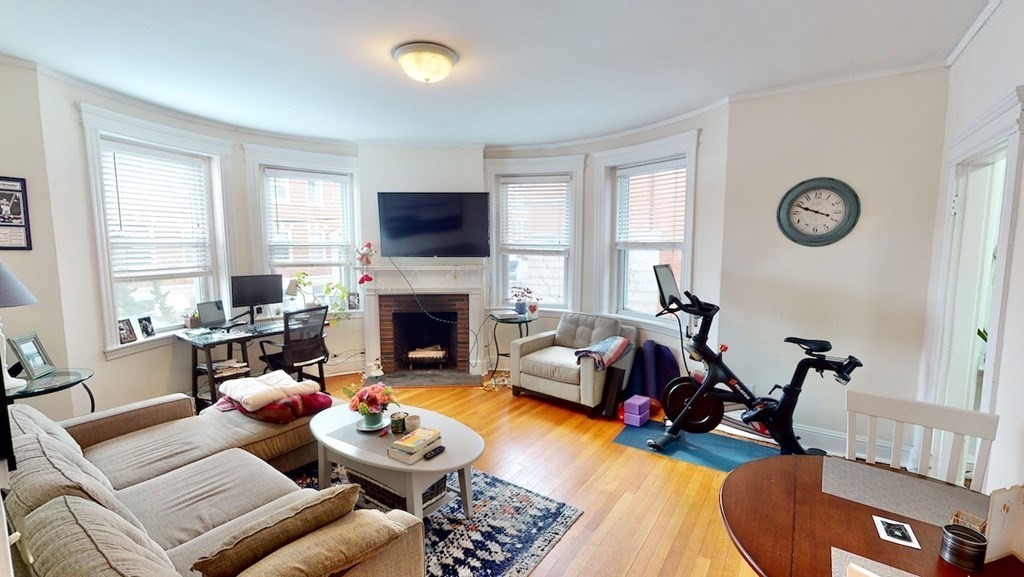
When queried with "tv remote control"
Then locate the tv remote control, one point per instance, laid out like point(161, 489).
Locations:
point(433, 452)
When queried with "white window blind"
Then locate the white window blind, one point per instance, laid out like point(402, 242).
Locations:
point(309, 218)
point(535, 213)
point(157, 211)
point(651, 205)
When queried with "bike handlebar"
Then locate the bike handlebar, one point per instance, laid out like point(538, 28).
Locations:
point(698, 307)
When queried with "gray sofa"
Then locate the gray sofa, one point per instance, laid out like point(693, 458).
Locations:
point(151, 489)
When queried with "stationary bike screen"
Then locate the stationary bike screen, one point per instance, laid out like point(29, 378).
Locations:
point(667, 286)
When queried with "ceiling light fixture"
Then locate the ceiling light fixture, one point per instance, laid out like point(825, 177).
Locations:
point(425, 61)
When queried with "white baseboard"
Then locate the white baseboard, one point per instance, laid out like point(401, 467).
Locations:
point(834, 443)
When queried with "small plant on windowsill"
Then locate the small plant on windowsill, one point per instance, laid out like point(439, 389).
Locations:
point(335, 296)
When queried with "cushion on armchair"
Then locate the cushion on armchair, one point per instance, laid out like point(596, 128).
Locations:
point(576, 331)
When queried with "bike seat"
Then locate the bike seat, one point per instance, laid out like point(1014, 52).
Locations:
point(811, 345)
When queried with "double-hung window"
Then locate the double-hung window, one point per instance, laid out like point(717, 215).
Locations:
point(309, 225)
point(157, 223)
point(651, 228)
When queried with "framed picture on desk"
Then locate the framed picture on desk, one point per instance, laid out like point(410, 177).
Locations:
point(32, 355)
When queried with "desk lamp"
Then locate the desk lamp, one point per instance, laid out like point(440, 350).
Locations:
point(12, 294)
point(294, 289)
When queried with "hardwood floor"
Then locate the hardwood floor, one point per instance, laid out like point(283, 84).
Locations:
point(643, 514)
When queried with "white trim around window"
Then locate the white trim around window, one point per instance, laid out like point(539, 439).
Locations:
point(561, 169)
point(103, 126)
point(603, 169)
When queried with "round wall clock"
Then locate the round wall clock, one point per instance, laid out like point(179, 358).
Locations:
point(818, 211)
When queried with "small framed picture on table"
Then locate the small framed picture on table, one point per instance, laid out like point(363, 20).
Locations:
point(32, 355)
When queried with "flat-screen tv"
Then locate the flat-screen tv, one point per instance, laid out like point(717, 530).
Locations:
point(257, 289)
point(443, 224)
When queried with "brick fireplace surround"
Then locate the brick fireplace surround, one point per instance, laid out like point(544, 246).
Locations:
point(388, 305)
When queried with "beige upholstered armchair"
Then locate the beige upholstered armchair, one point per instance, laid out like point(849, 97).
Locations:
point(545, 363)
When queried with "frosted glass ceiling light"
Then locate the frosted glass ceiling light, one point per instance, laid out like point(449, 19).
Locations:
point(425, 61)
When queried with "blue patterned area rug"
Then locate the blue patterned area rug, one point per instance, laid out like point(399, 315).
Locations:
point(512, 528)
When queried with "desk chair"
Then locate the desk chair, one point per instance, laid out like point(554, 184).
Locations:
point(303, 345)
point(960, 422)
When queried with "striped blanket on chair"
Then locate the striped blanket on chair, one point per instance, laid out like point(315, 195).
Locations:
point(605, 352)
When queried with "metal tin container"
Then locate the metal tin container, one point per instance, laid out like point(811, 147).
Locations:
point(963, 547)
point(398, 422)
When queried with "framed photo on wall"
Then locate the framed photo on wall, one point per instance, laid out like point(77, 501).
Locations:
point(32, 355)
point(14, 225)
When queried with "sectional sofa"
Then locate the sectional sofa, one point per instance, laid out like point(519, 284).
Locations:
point(152, 489)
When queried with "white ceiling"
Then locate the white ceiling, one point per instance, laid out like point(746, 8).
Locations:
point(529, 71)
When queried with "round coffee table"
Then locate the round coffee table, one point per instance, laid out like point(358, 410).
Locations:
point(338, 441)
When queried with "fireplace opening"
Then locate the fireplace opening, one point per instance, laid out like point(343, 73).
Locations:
point(425, 341)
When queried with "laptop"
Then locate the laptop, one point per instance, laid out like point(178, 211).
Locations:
point(211, 315)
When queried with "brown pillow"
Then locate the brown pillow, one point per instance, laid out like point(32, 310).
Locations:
point(265, 536)
point(331, 549)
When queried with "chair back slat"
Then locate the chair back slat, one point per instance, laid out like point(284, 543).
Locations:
point(962, 423)
point(897, 445)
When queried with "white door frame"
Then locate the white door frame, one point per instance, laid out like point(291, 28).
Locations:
point(1002, 124)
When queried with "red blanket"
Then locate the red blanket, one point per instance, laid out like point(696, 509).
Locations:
point(284, 411)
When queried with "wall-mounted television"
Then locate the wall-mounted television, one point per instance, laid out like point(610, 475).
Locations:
point(428, 224)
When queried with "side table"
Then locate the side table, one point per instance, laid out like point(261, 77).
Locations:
point(58, 380)
point(520, 321)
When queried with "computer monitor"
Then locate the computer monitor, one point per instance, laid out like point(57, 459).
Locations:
point(667, 286)
point(255, 290)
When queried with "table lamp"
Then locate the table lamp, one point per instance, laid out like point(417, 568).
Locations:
point(12, 294)
point(294, 289)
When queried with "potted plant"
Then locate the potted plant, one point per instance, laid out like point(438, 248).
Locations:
point(370, 401)
point(335, 295)
point(523, 297)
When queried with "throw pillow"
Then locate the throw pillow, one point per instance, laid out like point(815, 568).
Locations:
point(73, 536)
point(257, 392)
point(287, 409)
point(259, 539)
point(332, 549)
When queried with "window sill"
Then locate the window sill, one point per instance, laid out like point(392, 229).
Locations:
point(145, 344)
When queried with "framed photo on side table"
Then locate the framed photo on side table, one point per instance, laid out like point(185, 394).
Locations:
point(14, 229)
point(32, 355)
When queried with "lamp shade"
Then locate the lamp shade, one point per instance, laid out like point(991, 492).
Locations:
point(293, 288)
point(425, 61)
point(12, 292)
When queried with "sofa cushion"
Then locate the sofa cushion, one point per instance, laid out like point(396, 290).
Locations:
point(265, 440)
point(576, 331)
point(552, 363)
point(27, 420)
point(48, 475)
point(28, 447)
point(258, 540)
point(330, 549)
point(203, 495)
point(73, 536)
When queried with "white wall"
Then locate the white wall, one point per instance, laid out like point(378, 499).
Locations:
point(22, 156)
point(988, 71)
point(864, 293)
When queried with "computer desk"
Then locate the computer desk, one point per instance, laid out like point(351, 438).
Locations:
point(206, 341)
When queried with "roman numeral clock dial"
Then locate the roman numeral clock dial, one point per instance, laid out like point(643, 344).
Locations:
point(818, 212)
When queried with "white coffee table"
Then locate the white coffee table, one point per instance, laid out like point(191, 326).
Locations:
point(366, 453)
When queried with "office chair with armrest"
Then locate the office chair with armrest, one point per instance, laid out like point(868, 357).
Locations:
point(303, 345)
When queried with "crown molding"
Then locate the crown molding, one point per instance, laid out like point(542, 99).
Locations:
point(972, 31)
point(835, 81)
point(18, 62)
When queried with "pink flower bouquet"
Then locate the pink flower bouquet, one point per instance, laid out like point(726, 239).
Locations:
point(371, 399)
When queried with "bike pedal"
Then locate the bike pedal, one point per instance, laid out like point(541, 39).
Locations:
point(757, 413)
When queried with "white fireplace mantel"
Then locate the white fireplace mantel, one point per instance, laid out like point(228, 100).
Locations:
point(433, 279)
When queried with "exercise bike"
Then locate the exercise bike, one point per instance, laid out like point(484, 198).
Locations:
point(698, 403)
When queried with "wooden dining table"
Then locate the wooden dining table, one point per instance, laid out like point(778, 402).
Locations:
point(785, 525)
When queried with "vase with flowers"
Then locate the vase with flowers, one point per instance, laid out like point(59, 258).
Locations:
point(370, 401)
point(526, 303)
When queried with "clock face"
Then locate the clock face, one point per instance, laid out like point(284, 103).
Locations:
point(818, 211)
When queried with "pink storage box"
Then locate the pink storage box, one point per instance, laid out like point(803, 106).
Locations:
point(635, 420)
point(637, 405)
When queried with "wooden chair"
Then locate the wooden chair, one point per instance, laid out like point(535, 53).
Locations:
point(303, 345)
point(930, 417)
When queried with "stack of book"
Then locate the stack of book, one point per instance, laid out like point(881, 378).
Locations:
point(411, 447)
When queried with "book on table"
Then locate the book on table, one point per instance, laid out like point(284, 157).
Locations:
point(410, 458)
point(416, 440)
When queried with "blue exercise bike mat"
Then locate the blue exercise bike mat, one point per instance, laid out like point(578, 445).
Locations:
point(706, 450)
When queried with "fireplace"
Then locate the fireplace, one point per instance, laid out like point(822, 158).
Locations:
point(427, 322)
